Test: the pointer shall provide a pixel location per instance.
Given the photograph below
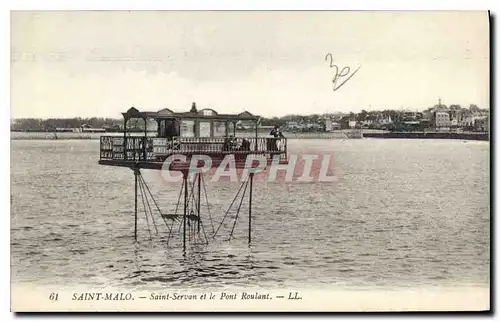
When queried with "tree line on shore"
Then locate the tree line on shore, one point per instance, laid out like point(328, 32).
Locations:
point(51, 124)
point(112, 124)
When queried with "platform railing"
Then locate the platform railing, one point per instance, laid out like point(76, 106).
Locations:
point(152, 149)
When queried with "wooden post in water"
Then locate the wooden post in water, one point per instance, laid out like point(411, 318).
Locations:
point(250, 210)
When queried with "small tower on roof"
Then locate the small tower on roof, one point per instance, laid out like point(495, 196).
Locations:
point(193, 108)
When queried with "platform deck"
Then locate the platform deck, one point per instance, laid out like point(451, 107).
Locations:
point(178, 165)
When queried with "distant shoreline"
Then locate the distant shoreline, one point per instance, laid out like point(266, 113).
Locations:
point(342, 134)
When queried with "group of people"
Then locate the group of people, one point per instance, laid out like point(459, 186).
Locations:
point(230, 143)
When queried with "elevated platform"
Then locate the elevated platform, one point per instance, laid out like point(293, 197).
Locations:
point(150, 153)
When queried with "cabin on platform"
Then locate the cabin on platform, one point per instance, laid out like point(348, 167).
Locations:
point(203, 132)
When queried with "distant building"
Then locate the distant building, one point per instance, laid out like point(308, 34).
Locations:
point(385, 121)
point(468, 120)
point(441, 119)
point(292, 125)
point(344, 122)
point(313, 126)
point(88, 128)
point(331, 126)
point(481, 124)
point(366, 124)
point(64, 129)
point(328, 124)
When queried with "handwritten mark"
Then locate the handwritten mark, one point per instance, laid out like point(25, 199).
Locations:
point(344, 73)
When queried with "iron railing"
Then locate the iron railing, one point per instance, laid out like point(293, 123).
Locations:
point(136, 148)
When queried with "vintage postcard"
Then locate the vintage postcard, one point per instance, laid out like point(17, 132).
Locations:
point(250, 161)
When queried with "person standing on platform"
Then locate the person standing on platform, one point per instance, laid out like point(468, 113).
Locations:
point(277, 134)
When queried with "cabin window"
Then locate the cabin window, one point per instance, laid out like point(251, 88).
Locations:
point(163, 129)
point(168, 128)
point(187, 128)
point(135, 125)
point(205, 129)
point(172, 128)
point(231, 128)
point(219, 129)
point(151, 126)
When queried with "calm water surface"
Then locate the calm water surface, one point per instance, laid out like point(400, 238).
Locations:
point(403, 213)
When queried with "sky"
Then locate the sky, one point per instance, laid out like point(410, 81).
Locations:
point(100, 63)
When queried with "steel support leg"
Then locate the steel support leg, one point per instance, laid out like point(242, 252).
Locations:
point(199, 201)
point(135, 208)
point(185, 211)
point(250, 210)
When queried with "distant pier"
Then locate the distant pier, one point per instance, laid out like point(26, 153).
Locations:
point(429, 135)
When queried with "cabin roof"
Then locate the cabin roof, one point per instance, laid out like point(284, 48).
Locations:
point(206, 113)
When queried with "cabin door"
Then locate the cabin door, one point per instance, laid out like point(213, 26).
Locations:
point(169, 128)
